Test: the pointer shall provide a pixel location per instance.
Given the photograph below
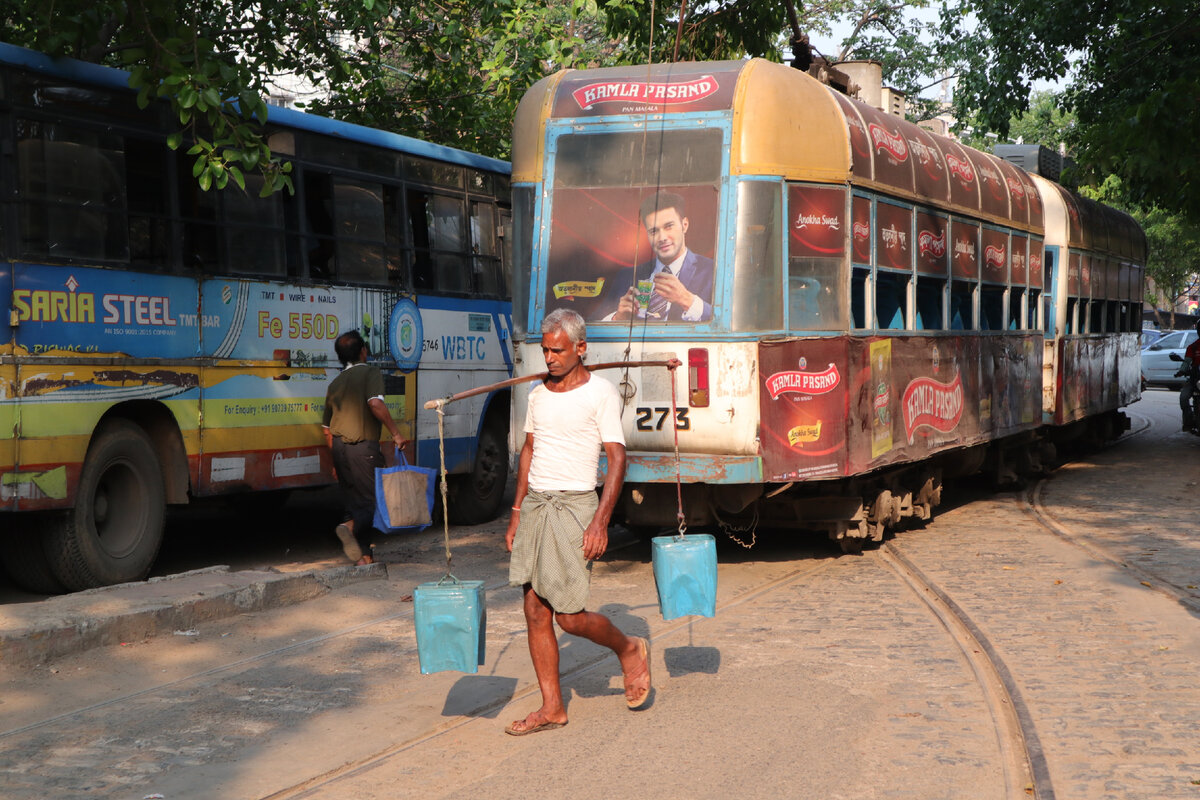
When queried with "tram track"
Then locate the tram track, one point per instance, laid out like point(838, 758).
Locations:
point(1026, 772)
point(1025, 767)
point(1031, 502)
point(669, 629)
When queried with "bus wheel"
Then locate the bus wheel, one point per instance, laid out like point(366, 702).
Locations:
point(24, 553)
point(114, 532)
point(476, 497)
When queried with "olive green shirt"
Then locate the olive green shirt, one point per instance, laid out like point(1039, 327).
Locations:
point(346, 411)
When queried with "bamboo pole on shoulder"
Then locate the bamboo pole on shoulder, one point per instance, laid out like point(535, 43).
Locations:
point(671, 363)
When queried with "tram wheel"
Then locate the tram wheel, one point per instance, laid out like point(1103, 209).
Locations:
point(24, 553)
point(115, 530)
point(476, 496)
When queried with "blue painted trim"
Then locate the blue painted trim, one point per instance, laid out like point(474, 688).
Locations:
point(693, 468)
point(464, 304)
point(108, 77)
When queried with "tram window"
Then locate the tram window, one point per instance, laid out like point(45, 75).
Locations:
point(664, 158)
point(991, 308)
point(1114, 316)
point(891, 300)
point(813, 302)
point(962, 306)
point(522, 256)
point(1035, 300)
point(71, 187)
point(1072, 314)
point(1016, 298)
point(1096, 317)
point(858, 296)
point(757, 261)
point(931, 302)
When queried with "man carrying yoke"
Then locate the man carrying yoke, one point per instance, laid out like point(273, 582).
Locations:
point(558, 526)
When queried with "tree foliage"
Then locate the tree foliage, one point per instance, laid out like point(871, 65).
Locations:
point(453, 72)
point(1132, 66)
point(210, 61)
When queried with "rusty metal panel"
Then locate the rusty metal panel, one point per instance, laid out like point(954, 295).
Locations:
point(923, 395)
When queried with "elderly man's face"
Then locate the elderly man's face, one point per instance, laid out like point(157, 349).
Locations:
point(561, 354)
point(666, 231)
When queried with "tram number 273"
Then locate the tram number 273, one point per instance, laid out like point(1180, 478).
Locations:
point(646, 422)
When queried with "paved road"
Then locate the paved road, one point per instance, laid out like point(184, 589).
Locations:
point(821, 676)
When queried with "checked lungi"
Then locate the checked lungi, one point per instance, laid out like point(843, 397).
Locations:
point(548, 548)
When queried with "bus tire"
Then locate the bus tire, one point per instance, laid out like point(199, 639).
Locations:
point(24, 552)
point(115, 530)
point(476, 496)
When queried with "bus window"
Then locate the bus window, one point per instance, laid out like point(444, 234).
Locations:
point(397, 253)
point(253, 228)
point(757, 261)
point(318, 211)
point(931, 302)
point(198, 210)
point(991, 308)
point(437, 231)
point(962, 306)
point(149, 205)
point(358, 209)
point(489, 280)
point(71, 187)
point(891, 300)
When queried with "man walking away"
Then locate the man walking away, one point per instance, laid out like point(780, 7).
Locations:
point(354, 412)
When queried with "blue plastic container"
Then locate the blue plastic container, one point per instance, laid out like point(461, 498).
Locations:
point(685, 572)
point(451, 619)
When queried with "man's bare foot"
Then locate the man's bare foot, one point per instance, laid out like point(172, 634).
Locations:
point(636, 671)
point(535, 723)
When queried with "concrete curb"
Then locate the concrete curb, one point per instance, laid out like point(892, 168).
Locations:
point(34, 633)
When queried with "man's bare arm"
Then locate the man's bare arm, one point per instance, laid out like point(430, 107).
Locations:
point(595, 537)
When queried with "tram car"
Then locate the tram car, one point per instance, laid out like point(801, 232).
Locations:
point(863, 308)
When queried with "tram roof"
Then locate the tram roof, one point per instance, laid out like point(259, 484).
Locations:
point(785, 122)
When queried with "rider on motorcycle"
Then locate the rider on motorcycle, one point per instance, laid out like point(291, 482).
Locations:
point(1191, 361)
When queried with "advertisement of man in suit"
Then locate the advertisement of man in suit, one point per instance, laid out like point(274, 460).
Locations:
point(677, 284)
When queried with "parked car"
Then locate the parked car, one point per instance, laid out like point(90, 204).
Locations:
point(1157, 367)
point(1150, 336)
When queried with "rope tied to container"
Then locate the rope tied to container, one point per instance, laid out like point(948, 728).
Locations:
point(441, 417)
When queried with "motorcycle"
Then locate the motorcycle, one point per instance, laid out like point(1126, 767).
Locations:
point(1190, 373)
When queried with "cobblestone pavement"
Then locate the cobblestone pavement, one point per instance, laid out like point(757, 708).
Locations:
point(822, 676)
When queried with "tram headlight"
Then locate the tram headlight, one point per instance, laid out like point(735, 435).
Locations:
point(698, 377)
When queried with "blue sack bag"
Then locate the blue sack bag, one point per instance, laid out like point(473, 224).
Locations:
point(685, 573)
point(451, 621)
point(404, 496)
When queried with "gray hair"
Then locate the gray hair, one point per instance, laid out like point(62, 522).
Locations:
point(567, 321)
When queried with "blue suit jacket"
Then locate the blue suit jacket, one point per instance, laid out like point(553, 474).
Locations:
point(696, 273)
